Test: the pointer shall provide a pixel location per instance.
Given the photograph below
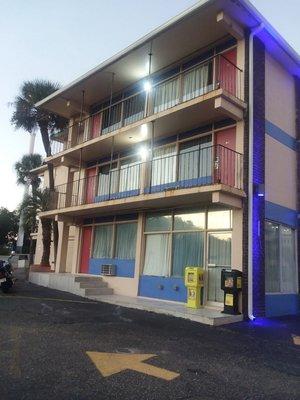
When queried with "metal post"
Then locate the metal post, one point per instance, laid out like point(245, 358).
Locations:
point(110, 164)
point(151, 161)
point(111, 97)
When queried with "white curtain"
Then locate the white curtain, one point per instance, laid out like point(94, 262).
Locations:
point(129, 176)
point(157, 256)
point(126, 241)
point(164, 165)
point(166, 95)
point(196, 82)
point(195, 159)
point(288, 260)
point(108, 180)
point(219, 253)
point(103, 241)
point(187, 251)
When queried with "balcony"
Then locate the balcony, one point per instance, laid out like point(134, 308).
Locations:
point(171, 95)
point(208, 167)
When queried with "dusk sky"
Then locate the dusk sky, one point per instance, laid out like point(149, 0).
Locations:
point(61, 39)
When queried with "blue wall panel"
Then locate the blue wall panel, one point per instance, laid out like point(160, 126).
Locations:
point(125, 268)
point(282, 304)
point(158, 287)
point(281, 136)
point(283, 215)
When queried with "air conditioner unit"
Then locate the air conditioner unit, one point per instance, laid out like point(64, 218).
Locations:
point(108, 270)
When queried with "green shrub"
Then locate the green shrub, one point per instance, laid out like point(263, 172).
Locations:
point(4, 251)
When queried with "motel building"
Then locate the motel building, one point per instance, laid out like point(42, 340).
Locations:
point(181, 150)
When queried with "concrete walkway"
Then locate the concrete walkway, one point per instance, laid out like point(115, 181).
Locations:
point(206, 315)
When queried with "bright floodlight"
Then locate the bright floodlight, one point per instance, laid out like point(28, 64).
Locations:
point(144, 131)
point(147, 86)
point(143, 153)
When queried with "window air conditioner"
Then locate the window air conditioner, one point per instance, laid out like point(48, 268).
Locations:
point(108, 270)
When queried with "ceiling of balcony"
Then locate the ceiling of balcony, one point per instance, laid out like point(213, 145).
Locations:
point(180, 37)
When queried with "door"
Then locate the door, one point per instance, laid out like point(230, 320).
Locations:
point(219, 256)
point(228, 72)
point(85, 250)
point(225, 157)
point(90, 185)
point(96, 125)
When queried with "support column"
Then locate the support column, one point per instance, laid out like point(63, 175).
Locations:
point(76, 250)
point(139, 251)
point(62, 248)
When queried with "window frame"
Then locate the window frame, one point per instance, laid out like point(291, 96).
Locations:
point(294, 232)
point(114, 223)
point(173, 231)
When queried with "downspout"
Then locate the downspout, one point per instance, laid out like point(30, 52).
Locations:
point(253, 33)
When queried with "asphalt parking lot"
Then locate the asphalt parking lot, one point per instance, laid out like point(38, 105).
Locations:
point(54, 345)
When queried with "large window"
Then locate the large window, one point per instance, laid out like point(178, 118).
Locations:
point(115, 240)
point(172, 242)
point(195, 159)
point(280, 259)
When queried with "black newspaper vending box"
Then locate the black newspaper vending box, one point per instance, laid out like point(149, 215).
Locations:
point(231, 283)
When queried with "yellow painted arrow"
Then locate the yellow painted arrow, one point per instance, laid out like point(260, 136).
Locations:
point(113, 363)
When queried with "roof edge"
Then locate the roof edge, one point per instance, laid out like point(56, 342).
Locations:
point(289, 50)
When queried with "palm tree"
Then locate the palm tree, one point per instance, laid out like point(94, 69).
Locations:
point(30, 118)
point(24, 167)
point(30, 207)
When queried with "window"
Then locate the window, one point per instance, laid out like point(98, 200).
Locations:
point(157, 256)
point(125, 241)
point(103, 242)
point(172, 242)
point(219, 219)
point(107, 181)
point(280, 259)
point(116, 240)
point(164, 165)
point(157, 222)
point(197, 81)
point(195, 158)
point(187, 251)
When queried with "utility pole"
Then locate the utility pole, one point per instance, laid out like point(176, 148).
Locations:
point(20, 239)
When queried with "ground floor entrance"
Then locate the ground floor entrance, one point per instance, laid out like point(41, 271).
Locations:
point(152, 249)
point(219, 257)
point(175, 240)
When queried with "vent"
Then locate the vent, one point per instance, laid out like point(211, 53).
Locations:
point(108, 270)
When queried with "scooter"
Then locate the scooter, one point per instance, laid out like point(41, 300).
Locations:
point(7, 279)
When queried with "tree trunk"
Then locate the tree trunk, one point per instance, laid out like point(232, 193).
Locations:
point(46, 143)
point(46, 232)
point(31, 251)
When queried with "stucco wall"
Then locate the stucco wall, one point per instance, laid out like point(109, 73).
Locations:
point(280, 174)
point(280, 162)
point(280, 96)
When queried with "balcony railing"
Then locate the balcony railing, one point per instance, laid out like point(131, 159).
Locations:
point(205, 166)
point(215, 73)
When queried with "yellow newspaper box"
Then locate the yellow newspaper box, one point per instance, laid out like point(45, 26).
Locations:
point(194, 282)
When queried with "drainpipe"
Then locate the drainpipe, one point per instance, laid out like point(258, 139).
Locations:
point(253, 33)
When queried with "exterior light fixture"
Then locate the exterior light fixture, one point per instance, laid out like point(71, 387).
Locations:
point(143, 152)
point(259, 189)
point(147, 86)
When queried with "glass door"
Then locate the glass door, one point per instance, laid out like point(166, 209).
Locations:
point(219, 256)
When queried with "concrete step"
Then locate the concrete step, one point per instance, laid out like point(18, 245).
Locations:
point(92, 284)
point(98, 291)
point(86, 278)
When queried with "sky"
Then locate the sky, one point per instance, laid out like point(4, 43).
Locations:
point(60, 40)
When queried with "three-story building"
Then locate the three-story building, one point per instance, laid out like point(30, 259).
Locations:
point(182, 150)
